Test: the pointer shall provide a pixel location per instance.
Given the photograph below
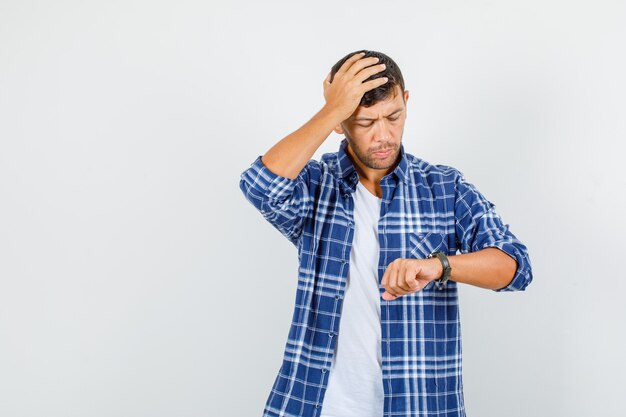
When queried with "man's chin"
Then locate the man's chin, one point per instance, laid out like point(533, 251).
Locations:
point(381, 166)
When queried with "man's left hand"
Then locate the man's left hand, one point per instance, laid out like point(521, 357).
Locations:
point(404, 276)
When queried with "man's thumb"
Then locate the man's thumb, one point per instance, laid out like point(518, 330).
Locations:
point(388, 296)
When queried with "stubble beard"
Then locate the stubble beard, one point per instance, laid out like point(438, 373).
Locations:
point(373, 162)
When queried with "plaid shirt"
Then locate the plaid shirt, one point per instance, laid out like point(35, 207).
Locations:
point(424, 208)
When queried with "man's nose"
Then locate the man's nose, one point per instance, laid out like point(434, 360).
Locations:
point(383, 131)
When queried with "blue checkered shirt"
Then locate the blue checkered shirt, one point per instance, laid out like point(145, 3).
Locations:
point(424, 208)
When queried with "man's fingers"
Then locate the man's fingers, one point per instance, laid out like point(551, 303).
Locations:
point(403, 283)
point(368, 72)
point(344, 91)
point(410, 280)
point(370, 85)
point(396, 278)
point(389, 296)
point(346, 65)
point(401, 278)
point(385, 279)
point(386, 283)
point(360, 65)
point(397, 282)
point(391, 279)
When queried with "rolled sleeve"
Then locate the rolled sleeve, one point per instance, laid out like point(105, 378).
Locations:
point(478, 226)
point(270, 185)
point(284, 202)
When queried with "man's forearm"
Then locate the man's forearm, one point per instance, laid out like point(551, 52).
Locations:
point(488, 268)
point(290, 155)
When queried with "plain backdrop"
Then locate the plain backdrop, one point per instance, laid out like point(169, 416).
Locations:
point(136, 280)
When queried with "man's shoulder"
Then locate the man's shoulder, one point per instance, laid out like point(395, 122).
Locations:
point(421, 168)
point(329, 161)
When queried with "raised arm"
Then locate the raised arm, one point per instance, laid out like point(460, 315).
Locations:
point(280, 184)
point(290, 155)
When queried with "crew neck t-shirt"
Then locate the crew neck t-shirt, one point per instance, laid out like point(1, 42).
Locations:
point(355, 381)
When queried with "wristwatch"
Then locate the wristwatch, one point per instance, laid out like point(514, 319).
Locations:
point(447, 271)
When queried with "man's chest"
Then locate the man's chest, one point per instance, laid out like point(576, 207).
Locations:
point(413, 221)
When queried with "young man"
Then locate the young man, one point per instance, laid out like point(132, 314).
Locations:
point(375, 330)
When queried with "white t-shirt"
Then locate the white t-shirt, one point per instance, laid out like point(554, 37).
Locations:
point(355, 381)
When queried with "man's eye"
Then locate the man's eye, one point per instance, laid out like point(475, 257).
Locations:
point(364, 125)
point(394, 119)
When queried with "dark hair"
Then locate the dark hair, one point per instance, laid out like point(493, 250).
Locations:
point(382, 92)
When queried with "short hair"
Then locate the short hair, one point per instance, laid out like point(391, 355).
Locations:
point(382, 92)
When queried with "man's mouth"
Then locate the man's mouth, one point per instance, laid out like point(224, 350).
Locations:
point(383, 153)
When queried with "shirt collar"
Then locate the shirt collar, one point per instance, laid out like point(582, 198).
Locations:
point(348, 172)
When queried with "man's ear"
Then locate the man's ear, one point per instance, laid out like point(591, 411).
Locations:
point(339, 129)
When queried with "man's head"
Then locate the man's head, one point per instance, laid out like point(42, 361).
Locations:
point(378, 122)
point(391, 71)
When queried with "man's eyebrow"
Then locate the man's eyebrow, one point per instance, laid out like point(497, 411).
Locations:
point(367, 118)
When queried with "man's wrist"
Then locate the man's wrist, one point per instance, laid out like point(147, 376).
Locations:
point(438, 268)
point(333, 114)
point(442, 258)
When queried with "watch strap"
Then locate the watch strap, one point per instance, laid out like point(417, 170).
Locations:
point(447, 270)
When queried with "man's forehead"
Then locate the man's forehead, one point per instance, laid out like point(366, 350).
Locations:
point(384, 108)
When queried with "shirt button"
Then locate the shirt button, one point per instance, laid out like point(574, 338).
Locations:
point(346, 195)
point(337, 296)
point(350, 224)
point(324, 370)
point(331, 334)
point(317, 405)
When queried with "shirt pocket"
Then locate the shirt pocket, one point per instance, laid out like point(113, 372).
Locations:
point(423, 244)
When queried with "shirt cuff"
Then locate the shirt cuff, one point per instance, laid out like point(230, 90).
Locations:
point(523, 275)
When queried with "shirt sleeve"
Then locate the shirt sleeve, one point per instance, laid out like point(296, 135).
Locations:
point(284, 202)
point(478, 226)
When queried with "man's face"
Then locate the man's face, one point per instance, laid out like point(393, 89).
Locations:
point(372, 130)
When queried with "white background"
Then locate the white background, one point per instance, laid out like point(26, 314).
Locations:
point(136, 280)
